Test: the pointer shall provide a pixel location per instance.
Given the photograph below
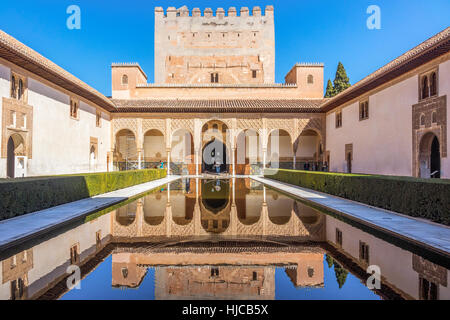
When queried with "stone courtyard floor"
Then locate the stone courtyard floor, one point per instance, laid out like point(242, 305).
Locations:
point(19, 229)
point(433, 236)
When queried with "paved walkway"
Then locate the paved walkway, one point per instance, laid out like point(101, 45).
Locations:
point(19, 229)
point(432, 235)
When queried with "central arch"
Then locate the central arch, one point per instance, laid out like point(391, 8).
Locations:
point(215, 154)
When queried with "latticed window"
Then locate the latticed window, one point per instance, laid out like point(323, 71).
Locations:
point(98, 118)
point(13, 87)
point(338, 119)
point(364, 252)
point(74, 108)
point(310, 79)
point(338, 237)
point(124, 79)
point(364, 110)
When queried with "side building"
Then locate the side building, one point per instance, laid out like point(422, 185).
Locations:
point(394, 121)
point(51, 122)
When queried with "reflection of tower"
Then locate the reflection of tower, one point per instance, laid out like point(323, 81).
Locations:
point(211, 282)
point(126, 273)
point(309, 271)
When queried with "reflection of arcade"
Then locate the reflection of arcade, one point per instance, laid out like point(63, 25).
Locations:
point(215, 205)
point(198, 207)
point(234, 273)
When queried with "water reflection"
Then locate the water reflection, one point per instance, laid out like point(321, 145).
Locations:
point(219, 239)
point(201, 207)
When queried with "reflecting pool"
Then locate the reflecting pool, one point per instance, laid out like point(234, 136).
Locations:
point(220, 239)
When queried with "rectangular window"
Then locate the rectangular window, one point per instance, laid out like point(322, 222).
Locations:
point(338, 237)
point(428, 289)
point(214, 77)
point(74, 107)
point(338, 119)
point(364, 110)
point(98, 238)
point(254, 74)
point(98, 119)
point(74, 254)
point(364, 252)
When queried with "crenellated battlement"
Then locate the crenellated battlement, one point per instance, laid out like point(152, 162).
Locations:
point(236, 45)
point(220, 13)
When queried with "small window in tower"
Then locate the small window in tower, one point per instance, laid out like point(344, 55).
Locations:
point(125, 79)
point(214, 77)
point(310, 79)
point(254, 74)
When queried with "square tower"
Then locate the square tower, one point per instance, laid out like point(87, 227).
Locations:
point(220, 48)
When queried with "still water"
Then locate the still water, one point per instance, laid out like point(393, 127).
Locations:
point(219, 239)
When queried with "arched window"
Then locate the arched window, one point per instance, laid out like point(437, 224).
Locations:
point(433, 84)
point(434, 117)
point(13, 87)
point(124, 79)
point(20, 91)
point(425, 89)
point(310, 79)
point(422, 120)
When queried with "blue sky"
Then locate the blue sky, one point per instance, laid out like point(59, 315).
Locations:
point(312, 31)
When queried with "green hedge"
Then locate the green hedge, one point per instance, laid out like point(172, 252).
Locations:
point(424, 198)
point(21, 196)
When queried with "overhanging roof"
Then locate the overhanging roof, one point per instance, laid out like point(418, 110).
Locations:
point(426, 51)
point(218, 105)
point(16, 52)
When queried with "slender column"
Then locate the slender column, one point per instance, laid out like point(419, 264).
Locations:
point(196, 160)
point(233, 160)
point(294, 161)
point(264, 158)
point(139, 159)
point(168, 162)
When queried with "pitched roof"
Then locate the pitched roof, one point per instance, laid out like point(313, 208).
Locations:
point(219, 105)
point(423, 53)
point(16, 52)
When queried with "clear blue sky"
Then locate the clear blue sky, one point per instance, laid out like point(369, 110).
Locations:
point(315, 30)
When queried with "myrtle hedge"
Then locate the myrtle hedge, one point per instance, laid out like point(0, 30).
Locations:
point(21, 196)
point(424, 198)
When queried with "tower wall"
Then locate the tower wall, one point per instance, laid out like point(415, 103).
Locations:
point(190, 46)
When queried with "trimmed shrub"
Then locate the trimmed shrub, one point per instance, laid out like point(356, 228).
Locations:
point(21, 196)
point(423, 198)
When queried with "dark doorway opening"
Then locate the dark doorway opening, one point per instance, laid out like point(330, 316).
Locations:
point(349, 162)
point(214, 157)
point(10, 161)
point(435, 159)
